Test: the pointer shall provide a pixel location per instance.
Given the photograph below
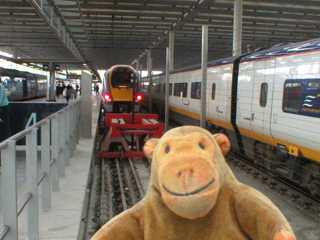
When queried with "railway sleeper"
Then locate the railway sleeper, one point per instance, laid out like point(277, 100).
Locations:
point(272, 185)
point(282, 190)
point(255, 174)
point(264, 179)
point(293, 197)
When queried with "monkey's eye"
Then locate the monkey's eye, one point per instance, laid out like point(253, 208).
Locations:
point(167, 149)
point(202, 145)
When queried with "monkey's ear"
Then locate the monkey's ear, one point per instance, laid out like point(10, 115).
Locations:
point(224, 142)
point(149, 147)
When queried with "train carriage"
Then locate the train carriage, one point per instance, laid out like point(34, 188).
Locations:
point(268, 102)
point(22, 85)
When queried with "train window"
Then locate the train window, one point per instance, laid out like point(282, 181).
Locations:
point(180, 87)
point(5, 79)
point(164, 89)
point(18, 79)
point(144, 86)
point(313, 84)
point(213, 91)
point(154, 87)
point(122, 78)
point(157, 88)
point(263, 94)
point(170, 89)
point(196, 90)
point(292, 94)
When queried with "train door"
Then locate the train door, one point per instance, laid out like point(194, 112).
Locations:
point(244, 100)
point(223, 92)
point(219, 91)
point(25, 88)
point(212, 98)
point(261, 102)
point(32, 87)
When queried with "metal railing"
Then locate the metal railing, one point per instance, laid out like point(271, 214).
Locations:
point(59, 135)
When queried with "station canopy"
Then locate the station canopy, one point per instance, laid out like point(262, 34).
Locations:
point(96, 34)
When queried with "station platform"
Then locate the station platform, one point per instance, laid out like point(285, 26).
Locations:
point(64, 220)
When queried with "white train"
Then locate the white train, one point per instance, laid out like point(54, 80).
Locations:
point(267, 102)
point(23, 85)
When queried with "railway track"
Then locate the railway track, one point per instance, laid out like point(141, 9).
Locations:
point(116, 187)
point(289, 192)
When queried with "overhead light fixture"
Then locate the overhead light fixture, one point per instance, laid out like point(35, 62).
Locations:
point(57, 67)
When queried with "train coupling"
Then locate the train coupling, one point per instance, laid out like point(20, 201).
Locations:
point(127, 134)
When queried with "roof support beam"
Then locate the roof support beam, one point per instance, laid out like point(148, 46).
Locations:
point(237, 28)
point(49, 20)
point(171, 49)
point(193, 12)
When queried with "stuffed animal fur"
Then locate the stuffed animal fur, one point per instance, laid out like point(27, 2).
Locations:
point(193, 195)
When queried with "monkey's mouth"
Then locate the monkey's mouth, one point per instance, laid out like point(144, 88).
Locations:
point(190, 193)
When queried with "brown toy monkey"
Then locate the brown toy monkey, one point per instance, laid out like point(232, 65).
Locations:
point(193, 195)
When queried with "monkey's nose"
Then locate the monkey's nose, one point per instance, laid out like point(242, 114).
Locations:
point(186, 172)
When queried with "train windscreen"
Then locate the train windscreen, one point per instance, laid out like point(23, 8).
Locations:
point(122, 78)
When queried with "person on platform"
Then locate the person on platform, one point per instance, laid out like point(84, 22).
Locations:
point(67, 92)
point(77, 90)
point(97, 89)
point(4, 114)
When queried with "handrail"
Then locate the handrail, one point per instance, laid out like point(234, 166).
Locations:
point(43, 175)
point(55, 156)
point(4, 232)
point(52, 162)
point(24, 132)
point(24, 202)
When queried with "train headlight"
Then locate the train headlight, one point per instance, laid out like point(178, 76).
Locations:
point(107, 97)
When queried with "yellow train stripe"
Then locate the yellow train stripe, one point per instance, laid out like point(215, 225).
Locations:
point(225, 125)
point(306, 152)
point(185, 112)
point(257, 136)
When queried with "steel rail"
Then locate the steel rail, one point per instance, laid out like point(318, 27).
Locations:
point(297, 198)
point(123, 197)
point(134, 172)
point(108, 172)
point(130, 184)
